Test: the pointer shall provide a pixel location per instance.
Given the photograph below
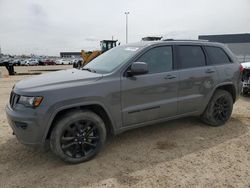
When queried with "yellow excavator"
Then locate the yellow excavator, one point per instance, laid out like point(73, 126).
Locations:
point(90, 55)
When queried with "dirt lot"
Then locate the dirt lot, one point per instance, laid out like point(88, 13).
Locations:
point(181, 153)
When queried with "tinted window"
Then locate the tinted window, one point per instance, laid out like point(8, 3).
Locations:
point(191, 56)
point(158, 59)
point(217, 55)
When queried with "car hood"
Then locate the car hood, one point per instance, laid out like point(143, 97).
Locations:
point(63, 78)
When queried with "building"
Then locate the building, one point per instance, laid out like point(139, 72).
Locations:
point(239, 44)
point(70, 54)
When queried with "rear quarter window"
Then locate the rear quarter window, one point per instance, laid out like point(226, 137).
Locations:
point(217, 55)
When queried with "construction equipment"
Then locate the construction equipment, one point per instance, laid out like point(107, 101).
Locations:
point(88, 56)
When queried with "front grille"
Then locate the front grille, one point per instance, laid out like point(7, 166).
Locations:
point(13, 99)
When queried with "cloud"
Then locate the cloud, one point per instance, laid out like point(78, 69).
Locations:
point(48, 27)
point(37, 10)
point(91, 39)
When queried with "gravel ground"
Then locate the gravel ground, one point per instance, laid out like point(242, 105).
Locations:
point(180, 153)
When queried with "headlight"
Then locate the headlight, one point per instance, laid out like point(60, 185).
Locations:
point(30, 101)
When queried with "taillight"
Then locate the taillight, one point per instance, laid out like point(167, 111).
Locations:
point(241, 68)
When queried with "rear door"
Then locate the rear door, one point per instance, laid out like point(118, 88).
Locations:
point(153, 95)
point(229, 71)
point(196, 78)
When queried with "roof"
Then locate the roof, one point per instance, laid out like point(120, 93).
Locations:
point(228, 38)
point(171, 42)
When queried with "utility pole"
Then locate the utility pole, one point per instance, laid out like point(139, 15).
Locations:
point(126, 13)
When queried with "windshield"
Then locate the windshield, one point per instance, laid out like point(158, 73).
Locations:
point(110, 60)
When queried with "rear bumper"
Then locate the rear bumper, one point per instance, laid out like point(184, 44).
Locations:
point(25, 127)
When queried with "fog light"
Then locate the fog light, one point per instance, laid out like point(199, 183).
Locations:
point(21, 125)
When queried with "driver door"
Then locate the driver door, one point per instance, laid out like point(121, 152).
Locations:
point(153, 95)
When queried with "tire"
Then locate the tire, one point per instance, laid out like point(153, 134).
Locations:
point(219, 109)
point(78, 136)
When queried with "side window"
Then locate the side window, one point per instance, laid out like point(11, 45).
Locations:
point(191, 56)
point(217, 55)
point(159, 59)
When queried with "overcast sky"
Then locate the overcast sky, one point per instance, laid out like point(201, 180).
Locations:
point(50, 26)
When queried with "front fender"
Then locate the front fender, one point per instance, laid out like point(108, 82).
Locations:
point(58, 107)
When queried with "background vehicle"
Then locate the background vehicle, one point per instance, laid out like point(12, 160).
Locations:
point(3, 61)
point(63, 62)
point(16, 62)
point(31, 62)
point(127, 87)
point(22, 62)
point(49, 62)
point(246, 78)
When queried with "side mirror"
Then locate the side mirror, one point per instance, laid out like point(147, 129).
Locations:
point(138, 68)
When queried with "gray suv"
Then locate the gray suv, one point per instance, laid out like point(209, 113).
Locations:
point(127, 87)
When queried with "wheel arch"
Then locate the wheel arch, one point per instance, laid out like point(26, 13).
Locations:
point(229, 87)
point(95, 107)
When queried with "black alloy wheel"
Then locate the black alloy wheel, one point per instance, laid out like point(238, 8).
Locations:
point(80, 138)
point(221, 109)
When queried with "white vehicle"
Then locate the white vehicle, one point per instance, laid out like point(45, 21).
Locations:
point(31, 62)
point(63, 62)
point(23, 62)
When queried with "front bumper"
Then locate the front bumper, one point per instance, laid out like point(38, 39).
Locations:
point(25, 126)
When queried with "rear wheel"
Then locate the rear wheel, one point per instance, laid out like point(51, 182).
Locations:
point(219, 109)
point(78, 136)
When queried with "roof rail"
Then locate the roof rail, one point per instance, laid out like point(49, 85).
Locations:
point(186, 40)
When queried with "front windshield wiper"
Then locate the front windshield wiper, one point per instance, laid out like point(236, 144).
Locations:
point(88, 69)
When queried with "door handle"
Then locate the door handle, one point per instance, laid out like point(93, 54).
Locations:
point(210, 71)
point(168, 77)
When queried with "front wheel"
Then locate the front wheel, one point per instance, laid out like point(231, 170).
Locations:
point(219, 109)
point(78, 136)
